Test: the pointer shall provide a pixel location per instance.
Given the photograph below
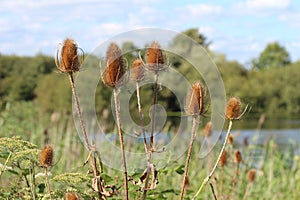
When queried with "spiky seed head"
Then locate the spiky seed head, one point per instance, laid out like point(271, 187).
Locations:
point(238, 156)
point(72, 196)
point(251, 175)
point(223, 159)
point(46, 156)
point(155, 57)
point(195, 100)
point(233, 108)
point(208, 129)
point(137, 70)
point(113, 74)
point(230, 139)
point(69, 58)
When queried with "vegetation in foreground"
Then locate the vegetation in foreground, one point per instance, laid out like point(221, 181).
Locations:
point(40, 174)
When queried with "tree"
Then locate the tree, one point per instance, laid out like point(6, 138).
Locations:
point(274, 55)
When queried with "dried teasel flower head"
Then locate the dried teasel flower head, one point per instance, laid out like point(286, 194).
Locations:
point(223, 159)
point(195, 100)
point(137, 70)
point(251, 175)
point(208, 129)
point(72, 196)
point(155, 57)
point(46, 156)
point(113, 74)
point(233, 108)
point(230, 139)
point(238, 156)
point(67, 58)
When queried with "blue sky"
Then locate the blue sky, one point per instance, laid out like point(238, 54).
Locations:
point(239, 29)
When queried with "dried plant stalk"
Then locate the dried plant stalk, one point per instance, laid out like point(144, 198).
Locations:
point(195, 102)
point(232, 113)
point(113, 76)
point(68, 62)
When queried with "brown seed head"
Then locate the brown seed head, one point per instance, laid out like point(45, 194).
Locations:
point(72, 196)
point(223, 158)
point(115, 69)
point(69, 59)
point(251, 175)
point(195, 100)
point(238, 156)
point(208, 129)
point(155, 57)
point(137, 70)
point(46, 156)
point(230, 139)
point(233, 108)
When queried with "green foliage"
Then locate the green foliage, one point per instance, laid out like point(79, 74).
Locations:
point(274, 55)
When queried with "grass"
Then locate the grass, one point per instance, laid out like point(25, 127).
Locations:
point(278, 174)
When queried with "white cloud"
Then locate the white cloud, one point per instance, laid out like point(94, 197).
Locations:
point(267, 4)
point(262, 5)
point(203, 9)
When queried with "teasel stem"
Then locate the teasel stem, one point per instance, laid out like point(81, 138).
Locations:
point(213, 191)
point(154, 110)
point(117, 108)
point(151, 135)
point(92, 158)
point(194, 128)
point(206, 180)
point(48, 184)
point(141, 117)
point(221, 180)
point(247, 191)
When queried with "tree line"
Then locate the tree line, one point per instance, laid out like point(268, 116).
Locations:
point(270, 85)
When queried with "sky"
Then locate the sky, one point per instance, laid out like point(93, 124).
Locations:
point(238, 29)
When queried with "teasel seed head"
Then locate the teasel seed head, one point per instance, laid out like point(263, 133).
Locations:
point(223, 159)
point(113, 74)
point(230, 139)
point(238, 156)
point(208, 129)
point(251, 175)
point(137, 70)
point(72, 196)
point(67, 58)
point(155, 57)
point(233, 108)
point(46, 156)
point(195, 100)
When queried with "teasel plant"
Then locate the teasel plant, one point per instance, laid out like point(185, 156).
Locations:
point(155, 63)
point(222, 163)
point(251, 175)
point(46, 161)
point(68, 59)
point(137, 75)
point(114, 76)
point(232, 112)
point(195, 107)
